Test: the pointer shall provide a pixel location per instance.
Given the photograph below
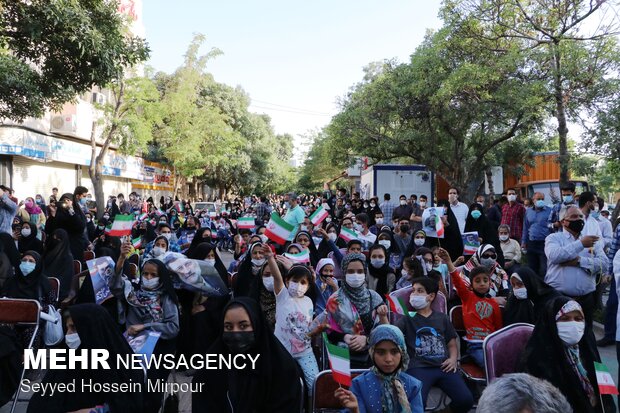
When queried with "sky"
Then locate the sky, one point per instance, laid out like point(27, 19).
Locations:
point(294, 59)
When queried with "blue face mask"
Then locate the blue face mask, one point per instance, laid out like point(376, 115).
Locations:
point(540, 204)
point(595, 214)
point(475, 214)
point(83, 201)
point(567, 199)
point(27, 267)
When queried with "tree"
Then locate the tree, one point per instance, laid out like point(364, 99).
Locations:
point(578, 67)
point(53, 50)
point(321, 163)
point(457, 107)
point(127, 121)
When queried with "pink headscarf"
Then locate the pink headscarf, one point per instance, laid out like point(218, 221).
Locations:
point(31, 206)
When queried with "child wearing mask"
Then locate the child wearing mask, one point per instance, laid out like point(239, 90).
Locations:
point(294, 313)
point(432, 346)
point(326, 284)
point(481, 313)
point(412, 268)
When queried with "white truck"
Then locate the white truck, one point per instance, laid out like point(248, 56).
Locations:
point(397, 180)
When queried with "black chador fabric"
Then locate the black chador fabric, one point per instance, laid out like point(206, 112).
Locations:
point(33, 286)
point(58, 261)
point(274, 387)
point(97, 331)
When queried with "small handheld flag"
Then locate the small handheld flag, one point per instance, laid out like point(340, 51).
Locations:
point(439, 227)
point(319, 215)
point(137, 242)
point(278, 230)
point(121, 226)
point(339, 362)
point(246, 222)
point(302, 257)
point(397, 305)
point(605, 381)
point(347, 234)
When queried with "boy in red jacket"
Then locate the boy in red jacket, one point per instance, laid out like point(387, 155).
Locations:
point(481, 313)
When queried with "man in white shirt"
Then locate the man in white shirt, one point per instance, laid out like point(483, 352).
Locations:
point(604, 224)
point(459, 209)
point(364, 234)
point(587, 200)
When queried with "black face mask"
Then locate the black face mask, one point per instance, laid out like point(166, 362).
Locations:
point(576, 226)
point(239, 341)
point(404, 228)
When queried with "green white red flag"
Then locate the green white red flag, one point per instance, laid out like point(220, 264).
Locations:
point(319, 215)
point(347, 234)
point(121, 226)
point(397, 305)
point(246, 223)
point(137, 242)
point(302, 257)
point(339, 362)
point(605, 381)
point(278, 230)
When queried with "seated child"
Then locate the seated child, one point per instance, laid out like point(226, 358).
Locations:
point(384, 388)
point(481, 313)
point(412, 268)
point(431, 344)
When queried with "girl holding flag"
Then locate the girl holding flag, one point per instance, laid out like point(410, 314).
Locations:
point(294, 314)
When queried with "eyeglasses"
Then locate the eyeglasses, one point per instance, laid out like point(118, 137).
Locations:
point(489, 256)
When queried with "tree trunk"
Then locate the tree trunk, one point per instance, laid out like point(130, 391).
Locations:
point(560, 108)
point(489, 176)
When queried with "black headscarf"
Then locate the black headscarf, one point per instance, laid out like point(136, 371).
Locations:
point(96, 330)
point(198, 239)
point(452, 241)
point(33, 286)
point(394, 248)
point(200, 253)
point(31, 242)
point(58, 261)
point(9, 258)
point(273, 387)
point(381, 274)
point(244, 273)
point(165, 279)
point(487, 230)
point(545, 357)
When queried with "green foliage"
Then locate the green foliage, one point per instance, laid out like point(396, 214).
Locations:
point(322, 162)
point(52, 50)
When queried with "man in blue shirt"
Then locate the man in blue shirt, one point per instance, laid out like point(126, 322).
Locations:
point(295, 215)
point(574, 261)
point(535, 230)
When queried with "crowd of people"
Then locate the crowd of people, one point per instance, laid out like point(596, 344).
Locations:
point(537, 263)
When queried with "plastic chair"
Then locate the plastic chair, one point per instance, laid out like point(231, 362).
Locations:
point(323, 392)
point(470, 370)
point(77, 267)
point(55, 287)
point(89, 255)
point(20, 312)
point(503, 349)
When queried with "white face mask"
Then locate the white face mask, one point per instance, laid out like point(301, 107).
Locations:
point(264, 238)
point(296, 290)
point(452, 198)
point(377, 262)
point(512, 198)
point(355, 280)
point(167, 235)
point(358, 227)
point(503, 238)
point(72, 340)
point(258, 261)
point(487, 262)
point(379, 221)
point(151, 284)
point(210, 262)
point(403, 202)
point(429, 266)
point(157, 251)
point(372, 204)
point(419, 241)
point(418, 302)
point(268, 283)
point(328, 220)
point(570, 332)
point(422, 204)
point(404, 273)
point(26, 232)
point(304, 228)
point(386, 243)
point(520, 293)
point(332, 236)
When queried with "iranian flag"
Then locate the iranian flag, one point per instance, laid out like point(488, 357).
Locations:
point(347, 234)
point(278, 230)
point(439, 226)
point(179, 206)
point(605, 381)
point(339, 362)
point(212, 214)
point(121, 226)
point(302, 257)
point(397, 305)
point(319, 215)
point(137, 242)
point(246, 222)
point(143, 217)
